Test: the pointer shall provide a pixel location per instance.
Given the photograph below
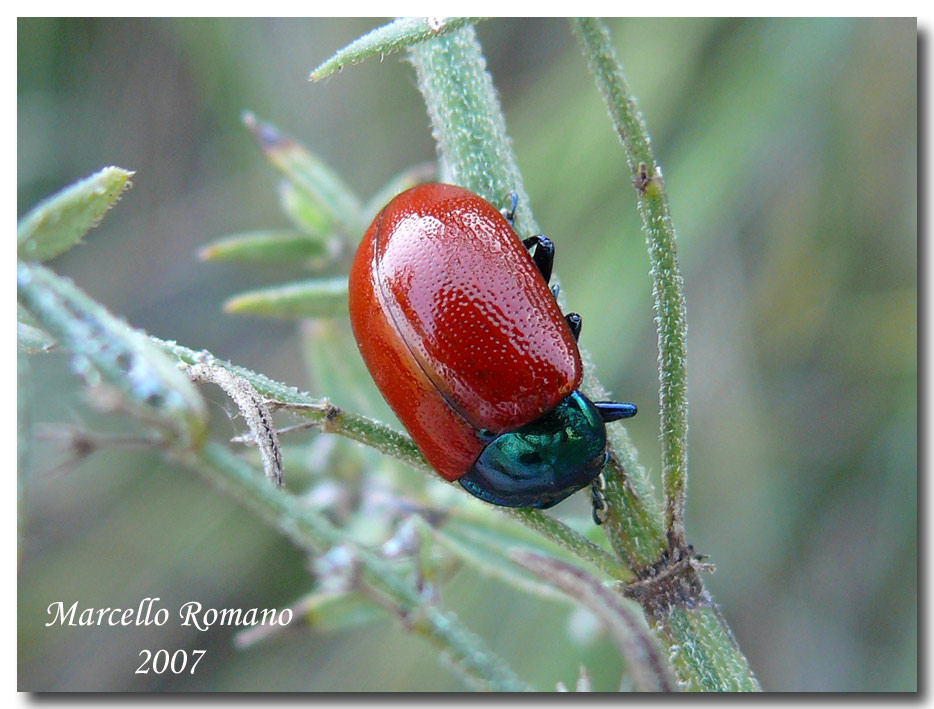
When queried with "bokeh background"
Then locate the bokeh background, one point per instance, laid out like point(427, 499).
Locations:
point(790, 152)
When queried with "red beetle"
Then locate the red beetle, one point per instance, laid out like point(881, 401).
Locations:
point(458, 327)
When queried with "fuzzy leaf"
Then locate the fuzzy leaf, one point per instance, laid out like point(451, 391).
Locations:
point(30, 337)
point(305, 213)
point(108, 351)
point(59, 222)
point(318, 181)
point(33, 340)
point(388, 39)
point(274, 246)
point(318, 298)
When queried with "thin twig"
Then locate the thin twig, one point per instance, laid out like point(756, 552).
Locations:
point(311, 531)
point(468, 125)
point(668, 286)
point(388, 441)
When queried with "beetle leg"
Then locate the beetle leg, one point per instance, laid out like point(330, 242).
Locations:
point(598, 499)
point(510, 214)
point(574, 322)
point(543, 253)
point(614, 410)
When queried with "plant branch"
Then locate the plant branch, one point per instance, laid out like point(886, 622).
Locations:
point(469, 128)
point(700, 644)
point(332, 419)
point(467, 121)
point(668, 286)
point(312, 532)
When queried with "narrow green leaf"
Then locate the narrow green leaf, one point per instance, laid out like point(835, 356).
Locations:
point(33, 340)
point(388, 39)
point(59, 222)
point(305, 213)
point(424, 172)
point(108, 351)
point(339, 611)
point(318, 298)
point(30, 337)
point(274, 246)
point(317, 180)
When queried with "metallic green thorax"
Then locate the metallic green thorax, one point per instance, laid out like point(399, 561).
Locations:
point(543, 462)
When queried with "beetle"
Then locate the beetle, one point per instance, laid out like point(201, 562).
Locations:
point(455, 320)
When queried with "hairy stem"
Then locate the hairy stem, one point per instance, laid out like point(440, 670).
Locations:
point(314, 533)
point(470, 130)
point(668, 288)
point(388, 441)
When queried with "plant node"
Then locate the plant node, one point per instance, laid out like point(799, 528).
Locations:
point(643, 179)
point(672, 582)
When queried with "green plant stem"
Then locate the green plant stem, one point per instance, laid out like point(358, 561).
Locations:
point(701, 646)
point(467, 121)
point(703, 652)
point(668, 288)
point(397, 445)
point(645, 663)
point(470, 131)
point(312, 532)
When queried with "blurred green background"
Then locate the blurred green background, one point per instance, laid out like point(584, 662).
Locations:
point(789, 149)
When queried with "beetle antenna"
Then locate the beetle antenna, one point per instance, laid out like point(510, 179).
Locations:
point(614, 410)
